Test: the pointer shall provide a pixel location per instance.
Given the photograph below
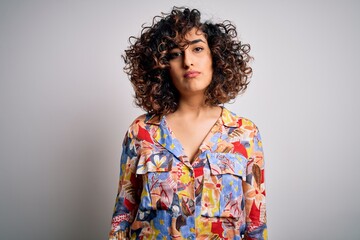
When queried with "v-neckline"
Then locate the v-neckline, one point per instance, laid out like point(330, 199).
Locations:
point(203, 142)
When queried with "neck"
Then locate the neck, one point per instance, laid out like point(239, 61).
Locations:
point(194, 107)
point(192, 104)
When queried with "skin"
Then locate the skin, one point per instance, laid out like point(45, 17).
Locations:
point(191, 68)
point(191, 72)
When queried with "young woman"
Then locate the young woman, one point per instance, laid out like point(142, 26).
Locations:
point(190, 168)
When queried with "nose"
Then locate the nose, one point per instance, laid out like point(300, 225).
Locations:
point(187, 59)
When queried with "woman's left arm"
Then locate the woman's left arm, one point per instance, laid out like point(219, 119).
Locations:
point(129, 190)
point(254, 189)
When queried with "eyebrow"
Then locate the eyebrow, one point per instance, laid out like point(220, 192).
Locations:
point(190, 43)
point(196, 41)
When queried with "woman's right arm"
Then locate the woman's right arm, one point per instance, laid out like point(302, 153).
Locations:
point(128, 196)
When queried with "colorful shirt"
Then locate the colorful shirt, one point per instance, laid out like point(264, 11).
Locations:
point(219, 195)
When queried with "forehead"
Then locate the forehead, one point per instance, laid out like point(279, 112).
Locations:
point(195, 33)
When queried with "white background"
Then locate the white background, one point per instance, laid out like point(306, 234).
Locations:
point(65, 105)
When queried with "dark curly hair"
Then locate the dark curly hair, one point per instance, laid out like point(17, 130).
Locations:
point(147, 60)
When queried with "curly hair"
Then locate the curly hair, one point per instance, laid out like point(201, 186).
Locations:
point(147, 60)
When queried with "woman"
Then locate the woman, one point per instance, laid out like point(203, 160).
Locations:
point(190, 169)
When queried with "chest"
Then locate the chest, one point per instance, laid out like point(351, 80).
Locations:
point(192, 135)
point(213, 184)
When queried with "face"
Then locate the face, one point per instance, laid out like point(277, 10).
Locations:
point(191, 68)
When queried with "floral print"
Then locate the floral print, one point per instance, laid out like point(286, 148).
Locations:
point(162, 195)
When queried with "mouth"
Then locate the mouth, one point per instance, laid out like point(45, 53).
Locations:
point(191, 74)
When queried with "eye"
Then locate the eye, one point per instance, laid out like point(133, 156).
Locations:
point(198, 49)
point(175, 54)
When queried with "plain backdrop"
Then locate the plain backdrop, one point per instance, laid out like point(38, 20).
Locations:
point(65, 105)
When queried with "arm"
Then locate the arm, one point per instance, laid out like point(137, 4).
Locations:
point(254, 190)
point(129, 190)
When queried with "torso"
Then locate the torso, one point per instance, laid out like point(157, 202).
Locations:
point(207, 200)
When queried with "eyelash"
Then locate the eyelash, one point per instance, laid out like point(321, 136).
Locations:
point(178, 54)
point(175, 55)
point(198, 49)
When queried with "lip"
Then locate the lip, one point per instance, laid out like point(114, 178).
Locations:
point(191, 74)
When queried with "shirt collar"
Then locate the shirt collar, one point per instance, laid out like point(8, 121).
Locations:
point(153, 119)
point(228, 118)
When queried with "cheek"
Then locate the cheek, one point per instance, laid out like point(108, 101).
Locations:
point(210, 69)
point(174, 78)
point(210, 75)
point(208, 63)
point(173, 70)
point(172, 74)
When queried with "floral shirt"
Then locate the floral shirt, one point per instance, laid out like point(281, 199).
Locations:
point(219, 195)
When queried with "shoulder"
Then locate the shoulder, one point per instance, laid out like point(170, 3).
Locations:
point(245, 135)
point(232, 119)
point(141, 126)
point(140, 120)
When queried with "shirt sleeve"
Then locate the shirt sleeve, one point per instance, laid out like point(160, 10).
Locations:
point(254, 190)
point(127, 199)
